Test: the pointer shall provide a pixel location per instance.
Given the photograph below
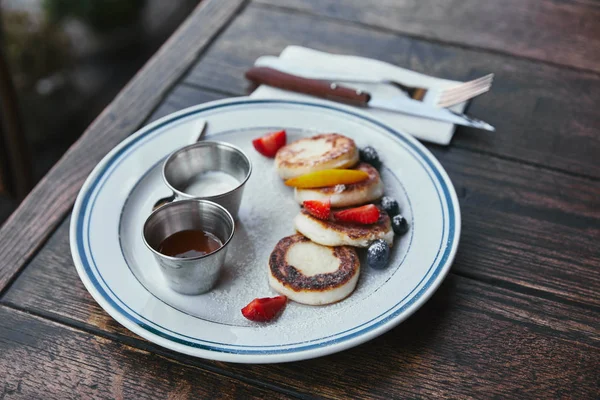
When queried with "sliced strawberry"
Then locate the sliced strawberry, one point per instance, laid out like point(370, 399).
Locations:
point(368, 214)
point(265, 309)
point(269, 144)
point(318, 208)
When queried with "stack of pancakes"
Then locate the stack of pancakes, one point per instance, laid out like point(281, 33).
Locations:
point(320, 265)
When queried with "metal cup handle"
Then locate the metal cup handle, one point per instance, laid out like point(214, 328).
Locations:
point(161, 202)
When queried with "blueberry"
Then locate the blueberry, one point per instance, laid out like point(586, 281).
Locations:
point(390, 205)
point(369, 155)
point(400, 225)
point(378, 254)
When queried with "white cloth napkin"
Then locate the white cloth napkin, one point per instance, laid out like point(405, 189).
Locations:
point(421, 128)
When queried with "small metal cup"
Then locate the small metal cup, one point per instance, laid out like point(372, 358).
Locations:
point(185, 164)
point(189, 275)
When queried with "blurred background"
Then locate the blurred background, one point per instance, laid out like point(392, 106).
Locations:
point(62, 62)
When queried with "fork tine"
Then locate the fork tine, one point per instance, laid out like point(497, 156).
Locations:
point(444, 96)
point(451, 103)
point(474, 81)
point(459, 99)
point(468, 85)
point(462, 97)
point(459, 93)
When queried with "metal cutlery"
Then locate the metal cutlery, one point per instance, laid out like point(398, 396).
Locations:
point(465, 91)
point(445, 97)
point(360, 98)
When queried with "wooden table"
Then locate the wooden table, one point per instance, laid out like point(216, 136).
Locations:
point(518, 315)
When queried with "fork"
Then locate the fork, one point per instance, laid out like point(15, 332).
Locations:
point(465, 91)
point(447, 97)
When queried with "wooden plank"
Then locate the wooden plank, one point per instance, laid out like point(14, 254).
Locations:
point(183, 96)
point(47, 204)
point(470, 340)
point(45, 360)
point(51, 285)
point(521, 226)
point(525, 225)
point(556, 31)
point(543, 114)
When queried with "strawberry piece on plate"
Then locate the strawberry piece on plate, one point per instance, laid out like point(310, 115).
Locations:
point(318, 208)
point(264, 309)
point(269, 144)
point(368, 214)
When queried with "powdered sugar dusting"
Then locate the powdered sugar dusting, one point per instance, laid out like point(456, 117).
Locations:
point(266, 216)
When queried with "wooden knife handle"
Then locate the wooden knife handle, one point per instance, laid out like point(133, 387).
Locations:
point(314, 87)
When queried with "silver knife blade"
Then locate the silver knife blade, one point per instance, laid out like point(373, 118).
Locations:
point(408, 106)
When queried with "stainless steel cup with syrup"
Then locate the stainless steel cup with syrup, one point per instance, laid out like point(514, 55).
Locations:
point(188, 163)
point(193, 275)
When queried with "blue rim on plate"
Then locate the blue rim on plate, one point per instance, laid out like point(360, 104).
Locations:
point(127, 316)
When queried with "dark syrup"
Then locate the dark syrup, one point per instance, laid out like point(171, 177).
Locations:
point(190, 243)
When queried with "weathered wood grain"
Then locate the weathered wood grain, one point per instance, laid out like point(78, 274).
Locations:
point(183, 96)
point(556, 31)
point(543, 114)
point(526, 326)
point(51, 285)
point(47, 204)
point(44, 360)
point(470, 340)
point(526, 225)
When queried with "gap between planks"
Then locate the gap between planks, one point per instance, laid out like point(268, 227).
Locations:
point(144, 345)
point(538, 330)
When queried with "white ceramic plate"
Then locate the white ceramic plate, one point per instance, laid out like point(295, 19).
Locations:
point(123, 277)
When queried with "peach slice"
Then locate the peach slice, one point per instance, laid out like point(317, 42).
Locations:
point(327, 177)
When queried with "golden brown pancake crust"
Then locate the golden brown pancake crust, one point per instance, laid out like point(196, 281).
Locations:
point(290, 277)
point(340, 145)
point(368, 168)
point(353, 230)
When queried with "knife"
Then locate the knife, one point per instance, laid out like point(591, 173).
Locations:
point(292, 67)
point(356, 97)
